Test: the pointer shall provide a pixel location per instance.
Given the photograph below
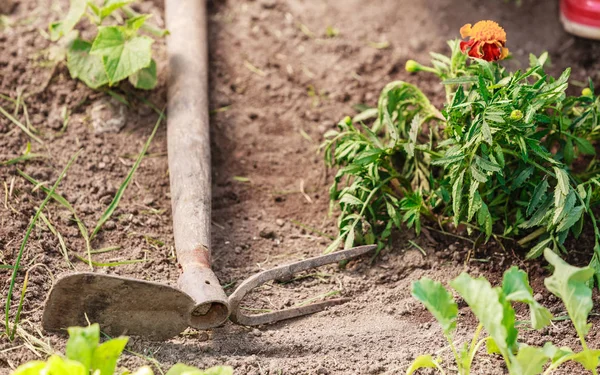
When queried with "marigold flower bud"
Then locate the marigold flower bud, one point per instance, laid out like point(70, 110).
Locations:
point(516, 115)
point(412, 66)
point(348, 120)
point(587, 92)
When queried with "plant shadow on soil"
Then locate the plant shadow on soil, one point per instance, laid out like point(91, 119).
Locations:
point(277, 84)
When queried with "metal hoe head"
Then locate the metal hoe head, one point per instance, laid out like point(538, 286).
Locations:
point(125, 306)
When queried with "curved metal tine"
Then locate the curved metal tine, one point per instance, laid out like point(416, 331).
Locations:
point(283, 273)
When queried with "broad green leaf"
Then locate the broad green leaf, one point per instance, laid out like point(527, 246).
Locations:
point(107, 354)
point(491, 347)
point(587, 358)
point(570, 284)
point(491, 309)
point(61, 28)
point(422, 361)
point(86, 67)
point(530, 360)
point(59, 366)
point(438, 301)
point(515, 286)
point(82, 343)
point(112, 5)
point(121, 55)
point(555, 353)
point(30, 368)
point(145, 79)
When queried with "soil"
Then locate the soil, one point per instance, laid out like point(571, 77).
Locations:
point(278, 83)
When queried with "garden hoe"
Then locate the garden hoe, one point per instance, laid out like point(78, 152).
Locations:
point(157, 311)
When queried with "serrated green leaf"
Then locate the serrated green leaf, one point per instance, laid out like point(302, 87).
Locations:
point(145, 79)
point(106, 355)
point(538, 249)
point(62, 28)
point(522, 177)
point(584, 146)
point(121, 55)
point(457, 188)
point(540, 214)
point(515, 286)
point(486, 132)
point(572, 216)
point(563, 180)
point(538, 196)
point(422, 361)
point(438, 301)
point(477, 174)
point(570, 284)
point(484, 219)
point(351, 199)
point(475, 201)
point(82, 343)
point(487, 165)
point(491, 309)
point(86, 67)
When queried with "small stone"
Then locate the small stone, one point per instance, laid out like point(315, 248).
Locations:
point(267, 233)
point(237, 250)
point(108, 116)
point(538, 297)
point(148, 201)
point(280, 222)
point(256, 332)
point(110, 225)
point(268, 4)
point(452, 247)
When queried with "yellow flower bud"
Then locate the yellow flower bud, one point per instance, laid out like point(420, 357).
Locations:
point(412, 66)
point(516, 115)
point(587, 92)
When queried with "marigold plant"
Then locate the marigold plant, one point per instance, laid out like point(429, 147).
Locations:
point(509, 156)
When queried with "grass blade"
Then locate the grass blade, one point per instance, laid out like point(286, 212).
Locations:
point(21, 126)
point(22, 158)
point(115, 202)
point(26, 238)
point(61, 240)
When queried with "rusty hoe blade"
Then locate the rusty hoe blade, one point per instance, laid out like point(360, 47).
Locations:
point(136, 307)
point(284, 273)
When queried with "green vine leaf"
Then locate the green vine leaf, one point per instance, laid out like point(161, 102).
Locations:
point(76, 11)
point(83, 65)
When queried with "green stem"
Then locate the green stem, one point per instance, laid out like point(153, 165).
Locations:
point(531, 236)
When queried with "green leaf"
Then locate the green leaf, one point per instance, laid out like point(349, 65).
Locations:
point(486, 132)
point(107, 354)
point(584, 146)
point(538, 249)
point(572, 217)
point(457, 188)
point(31, 368)
point(555, 353)
point(422, 361)
point(144, 370)
point(569, 152)
point(491, 308)
point(570, 284)
point(587, 358)
point(538, 195)
point(438, 301)
point(112, 5)
point(351, 199)
point(487, 165)
point(82, 343)
point(86, 67)
point(484, 219)
point(515, 286)
point(121, 55)
point(522, 177)
point(460, 80)
point(59, 366)
point(530, 360)
point(76, 11)
point(145, 79)
point(219, 370)
point(563, 180)
point(134, 23)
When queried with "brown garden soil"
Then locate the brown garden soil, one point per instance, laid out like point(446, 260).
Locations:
point(277, 85)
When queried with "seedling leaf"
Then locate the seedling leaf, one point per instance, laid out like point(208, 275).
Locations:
point(84, 66)
point(61, 28)
point(145, 79)
point(106, 355)
point(422, 361)
point(82, 343)
point(515, 287)
point(438, 301)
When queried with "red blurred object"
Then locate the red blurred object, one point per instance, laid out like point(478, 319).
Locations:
point(581, 17)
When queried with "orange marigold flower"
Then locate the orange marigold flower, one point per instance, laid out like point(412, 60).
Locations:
point(486, 41)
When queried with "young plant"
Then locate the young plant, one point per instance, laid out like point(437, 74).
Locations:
point(492, 306)
point(84, 354)
point(117, 51)
point(510, 155)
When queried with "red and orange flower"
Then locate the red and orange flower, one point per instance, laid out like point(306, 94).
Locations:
point(486, 41)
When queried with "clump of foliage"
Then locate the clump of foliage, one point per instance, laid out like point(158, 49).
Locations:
point(85, 355)
point(118, 50)
point(510, 155)
point(492, 306)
